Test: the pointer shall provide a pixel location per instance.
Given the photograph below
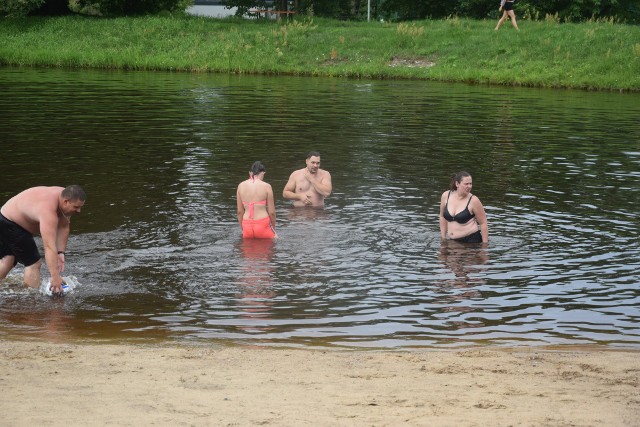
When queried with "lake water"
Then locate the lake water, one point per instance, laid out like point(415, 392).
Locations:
point(157, 251)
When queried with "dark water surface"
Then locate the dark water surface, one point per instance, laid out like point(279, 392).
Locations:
point(157, 250)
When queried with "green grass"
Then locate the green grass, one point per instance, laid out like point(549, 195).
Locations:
point(592, 55)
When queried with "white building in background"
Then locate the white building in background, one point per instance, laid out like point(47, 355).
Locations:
point(213, 8)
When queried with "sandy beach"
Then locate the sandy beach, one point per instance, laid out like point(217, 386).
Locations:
point(52, 384)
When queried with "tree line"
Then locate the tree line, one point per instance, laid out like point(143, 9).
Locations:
point(618, 11)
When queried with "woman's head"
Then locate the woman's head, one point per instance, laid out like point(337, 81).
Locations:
point(256, 168)
point(456, 178)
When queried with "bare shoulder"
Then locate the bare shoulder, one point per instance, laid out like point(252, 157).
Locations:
point(296, 174)
point(324, 173)
point(41, 196)
point(47, 190)
point(42, 193)
point(476, 203)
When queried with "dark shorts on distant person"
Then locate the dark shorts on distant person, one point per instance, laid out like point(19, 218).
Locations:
point(16, 241)
point(257, 229)
point(508, 5)
point(471, 238)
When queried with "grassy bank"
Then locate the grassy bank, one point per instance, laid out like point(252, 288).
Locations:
point(545, 54)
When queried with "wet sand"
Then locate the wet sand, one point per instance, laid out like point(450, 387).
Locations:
point(97, 384)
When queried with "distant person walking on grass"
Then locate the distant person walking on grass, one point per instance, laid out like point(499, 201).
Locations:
point(507, 12)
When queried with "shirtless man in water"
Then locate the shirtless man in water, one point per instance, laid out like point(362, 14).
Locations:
point(39, 210)
point(309, 186)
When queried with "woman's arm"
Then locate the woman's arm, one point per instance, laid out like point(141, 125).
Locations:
point(481, 217)
point(443, 222)
point(239, 206)
point(271, 207)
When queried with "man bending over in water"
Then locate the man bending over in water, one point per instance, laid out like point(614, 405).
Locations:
point(39, 210)
point(309, 186)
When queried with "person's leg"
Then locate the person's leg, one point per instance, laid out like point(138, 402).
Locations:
point(512, 15)
point(6, 264)
point(32, 275)
point(501, 20)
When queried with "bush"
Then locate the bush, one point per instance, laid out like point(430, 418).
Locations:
point(138, 7)
point(19, 7)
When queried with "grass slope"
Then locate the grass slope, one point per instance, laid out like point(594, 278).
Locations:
point(592, 55)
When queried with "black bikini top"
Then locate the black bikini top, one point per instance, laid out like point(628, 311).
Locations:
point(461, 217)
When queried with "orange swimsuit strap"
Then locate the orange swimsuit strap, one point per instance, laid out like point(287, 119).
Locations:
point(250, 206)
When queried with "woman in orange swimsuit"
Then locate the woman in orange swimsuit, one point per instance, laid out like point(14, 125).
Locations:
point(462, 215)
point(256, 206)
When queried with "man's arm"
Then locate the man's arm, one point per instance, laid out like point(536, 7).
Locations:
point(322, 185)
point(62, 237)
point(49, 233)
point(289, 191)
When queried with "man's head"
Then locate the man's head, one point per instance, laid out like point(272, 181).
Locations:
point(313, 161)
point(72, 199)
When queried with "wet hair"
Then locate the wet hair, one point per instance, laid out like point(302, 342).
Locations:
point(457, 178)
point(257, 167)
point(73, 193)
point(312, 154)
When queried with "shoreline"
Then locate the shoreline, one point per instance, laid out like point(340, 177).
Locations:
point(131, 384)
point(546, 54)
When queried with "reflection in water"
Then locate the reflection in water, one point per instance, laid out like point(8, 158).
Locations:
point(156, 248)
point(255, 281)
point(304, 214)
point(505, 124)
point(465, 260)
point(41, 317)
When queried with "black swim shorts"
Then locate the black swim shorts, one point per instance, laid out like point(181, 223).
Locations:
point(15, 240)
point(508, 5)
point(471, 238)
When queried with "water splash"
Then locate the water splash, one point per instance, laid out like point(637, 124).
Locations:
point(68, 286)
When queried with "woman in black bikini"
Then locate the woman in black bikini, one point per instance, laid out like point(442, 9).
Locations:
point(508, 12)
point(462, 216)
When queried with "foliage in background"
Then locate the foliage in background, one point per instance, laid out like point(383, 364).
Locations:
point(18, 7)
point(137, 7)
point(403, 10)
point(417, 9)
point(91, 7)
point(243, 6)
point(580, 10)
point(337, 9)
point(624, 11)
